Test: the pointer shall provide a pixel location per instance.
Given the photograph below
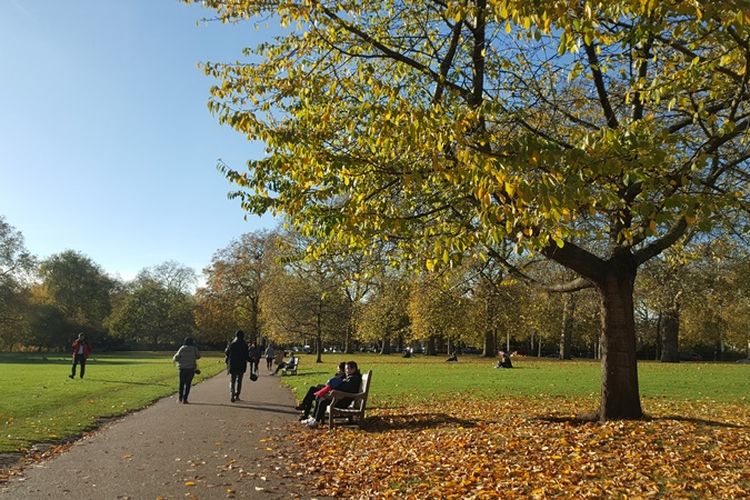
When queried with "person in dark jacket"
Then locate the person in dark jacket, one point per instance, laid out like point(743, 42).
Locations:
point(237, 357)
point(254, 353)
point(306, 404)
point(352, 383)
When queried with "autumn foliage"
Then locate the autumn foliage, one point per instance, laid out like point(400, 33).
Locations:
point(522, 448)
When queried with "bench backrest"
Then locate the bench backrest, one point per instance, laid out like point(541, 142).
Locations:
point(364, 388)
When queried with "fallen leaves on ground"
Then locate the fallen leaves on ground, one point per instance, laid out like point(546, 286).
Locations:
point(529, 448)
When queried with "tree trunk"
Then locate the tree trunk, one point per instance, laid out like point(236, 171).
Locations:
point(670, 350)
point(658, 348)
point(567, 326)
point(620, 398)
point(386, 345)
point(489, 350)
point(431, 346)
point(319, 336)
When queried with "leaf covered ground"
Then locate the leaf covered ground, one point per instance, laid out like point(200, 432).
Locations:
point(528, 448)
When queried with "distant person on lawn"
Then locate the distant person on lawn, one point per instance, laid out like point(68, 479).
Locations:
point(187, 357)
point(237, 357)
point(81, 351)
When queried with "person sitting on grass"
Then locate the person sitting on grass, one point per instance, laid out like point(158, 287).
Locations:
point(306, 405)
point(352, 384)
point(504, 361)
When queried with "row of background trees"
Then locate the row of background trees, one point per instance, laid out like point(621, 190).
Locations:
point(693, 301)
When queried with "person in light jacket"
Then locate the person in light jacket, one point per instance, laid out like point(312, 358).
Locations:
point(187, 357)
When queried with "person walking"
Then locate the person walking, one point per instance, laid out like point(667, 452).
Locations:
point(237, 357)
point(81, 351)
point(269, 357)
point(254, 353)
point(186, 357)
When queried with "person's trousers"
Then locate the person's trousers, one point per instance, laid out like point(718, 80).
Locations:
point(235, 384)
point(269, 363)
point(309, 399)
point(186, 379)
point(78, 358)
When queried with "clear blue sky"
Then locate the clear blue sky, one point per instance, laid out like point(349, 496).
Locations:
point(106, 143)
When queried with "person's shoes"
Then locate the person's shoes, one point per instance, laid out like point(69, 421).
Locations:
point(232, 398)
point(298, 408)
point(312, 424)
point(71, 376)
point(237, 397)
point(179, 400)
point(184, 401)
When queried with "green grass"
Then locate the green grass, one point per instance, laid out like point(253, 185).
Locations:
point(39, 403)
point(397, 381)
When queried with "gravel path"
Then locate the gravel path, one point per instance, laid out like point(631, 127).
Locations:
point(209, 448)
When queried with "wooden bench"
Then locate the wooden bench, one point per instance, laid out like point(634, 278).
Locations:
point(291, 367)
point(356, 409)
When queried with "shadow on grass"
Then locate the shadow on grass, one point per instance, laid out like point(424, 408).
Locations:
point(128, 382)
point(415, 421)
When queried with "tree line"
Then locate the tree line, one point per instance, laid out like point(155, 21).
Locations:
point(692, 303)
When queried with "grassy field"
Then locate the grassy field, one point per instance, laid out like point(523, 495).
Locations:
point(39, 403)
point(397, 381)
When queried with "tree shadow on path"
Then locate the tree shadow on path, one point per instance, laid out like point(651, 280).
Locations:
point(258, 406)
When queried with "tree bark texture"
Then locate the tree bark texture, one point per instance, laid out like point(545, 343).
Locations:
point(490, 349)
point(620, 398)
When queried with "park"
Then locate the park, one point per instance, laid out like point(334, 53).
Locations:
point(432, 428)
point(453, 186)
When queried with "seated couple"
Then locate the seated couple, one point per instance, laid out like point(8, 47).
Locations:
point(317, 399)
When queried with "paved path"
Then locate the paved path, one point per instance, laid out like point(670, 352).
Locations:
point(207, 449)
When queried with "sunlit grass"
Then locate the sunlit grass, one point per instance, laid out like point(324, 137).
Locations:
point(39, 403)
point(397, 381)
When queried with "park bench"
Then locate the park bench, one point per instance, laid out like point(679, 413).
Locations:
point(356, 409)
point(291, 367)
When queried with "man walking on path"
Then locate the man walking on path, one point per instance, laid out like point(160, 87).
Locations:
point(238, 355)
point(209, 449)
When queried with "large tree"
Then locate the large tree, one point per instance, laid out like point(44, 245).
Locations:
point(16, 264)
point(593, 133)
point(79, 287)
point(234, 282)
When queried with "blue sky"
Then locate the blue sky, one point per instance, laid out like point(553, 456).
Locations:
point(106, 143)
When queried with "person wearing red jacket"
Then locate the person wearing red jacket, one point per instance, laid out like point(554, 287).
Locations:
point(81, 351)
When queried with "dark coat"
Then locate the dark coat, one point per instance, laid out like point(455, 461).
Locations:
point(351, 384)
point(237, 356)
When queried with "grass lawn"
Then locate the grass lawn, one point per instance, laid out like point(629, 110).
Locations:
point(39, 403)
point(399, 381)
